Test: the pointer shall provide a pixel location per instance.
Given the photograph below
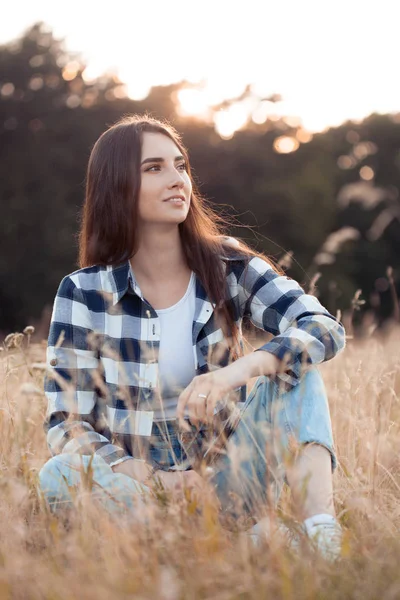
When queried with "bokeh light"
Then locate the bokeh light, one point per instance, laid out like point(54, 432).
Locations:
point(285, 144)
point(229, 49)
point(91, 73)
point(366, 173)
point(230, 120)
point(352, 136)
point(70, 70)
point(37, 61)
point(345, 162)
point(36, 83)
point(192, 102)
point(303, 136)
point(137, 89)
point(7, 89)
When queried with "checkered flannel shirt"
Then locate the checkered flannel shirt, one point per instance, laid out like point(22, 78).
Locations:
point(102, 367)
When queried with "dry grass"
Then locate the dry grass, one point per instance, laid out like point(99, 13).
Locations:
point(183, 555)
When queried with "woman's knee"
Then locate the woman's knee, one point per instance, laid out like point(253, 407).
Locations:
point(54, 479)
point(66, 474)
point(303, 416)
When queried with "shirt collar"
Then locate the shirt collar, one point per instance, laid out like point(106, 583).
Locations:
point(121, 277)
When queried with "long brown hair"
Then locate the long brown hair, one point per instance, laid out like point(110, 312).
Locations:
point(108, 227)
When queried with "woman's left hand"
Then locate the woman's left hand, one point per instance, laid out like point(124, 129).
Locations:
point(203, 393)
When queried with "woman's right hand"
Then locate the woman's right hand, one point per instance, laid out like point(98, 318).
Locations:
point(176, 481)
point(200, 489)
point(170, 480)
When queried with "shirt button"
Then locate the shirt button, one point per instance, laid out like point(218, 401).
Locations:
point(53, 362)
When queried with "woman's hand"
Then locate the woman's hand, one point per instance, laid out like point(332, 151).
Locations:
point(170, 480)
point(177, 481)
point(201, 397)
point(203, 393)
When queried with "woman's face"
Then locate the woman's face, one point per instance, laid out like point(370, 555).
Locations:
point(165, 191)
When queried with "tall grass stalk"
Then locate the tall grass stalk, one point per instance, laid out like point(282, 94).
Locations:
point(181, 552)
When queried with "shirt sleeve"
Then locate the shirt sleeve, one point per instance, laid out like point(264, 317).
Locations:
point(305, 333)
point(71, 382)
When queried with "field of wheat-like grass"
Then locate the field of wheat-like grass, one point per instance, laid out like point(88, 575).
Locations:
point(181, 552)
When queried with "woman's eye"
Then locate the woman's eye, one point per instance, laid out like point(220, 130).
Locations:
point(182, 167)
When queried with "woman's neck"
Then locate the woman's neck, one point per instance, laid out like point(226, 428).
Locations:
point(160, 255)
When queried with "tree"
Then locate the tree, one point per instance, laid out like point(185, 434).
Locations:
point(314, 202)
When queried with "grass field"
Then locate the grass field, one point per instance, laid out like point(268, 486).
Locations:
point(181, 554)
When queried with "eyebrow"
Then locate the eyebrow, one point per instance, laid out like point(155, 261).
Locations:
point(160, 160)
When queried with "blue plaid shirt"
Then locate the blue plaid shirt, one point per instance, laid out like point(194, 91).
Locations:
point(102, 355)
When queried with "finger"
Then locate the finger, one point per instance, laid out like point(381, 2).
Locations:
point(193, 481)
point(178, 482)
point(211, 402)
point(180, 409)
point(192, 413)
point(180, 412)
point(183, 424)
point(182, 401)
point(200, 407)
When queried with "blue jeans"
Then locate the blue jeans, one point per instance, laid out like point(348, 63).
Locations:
point(273, 427)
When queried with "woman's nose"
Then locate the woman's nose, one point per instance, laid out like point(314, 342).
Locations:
point(177, 180)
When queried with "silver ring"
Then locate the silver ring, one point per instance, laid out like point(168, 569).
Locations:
point(202, 396)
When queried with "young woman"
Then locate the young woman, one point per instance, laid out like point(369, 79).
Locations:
point(145, 353)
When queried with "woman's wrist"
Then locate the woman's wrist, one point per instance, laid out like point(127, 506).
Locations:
point(254, 365)
point(263, 363)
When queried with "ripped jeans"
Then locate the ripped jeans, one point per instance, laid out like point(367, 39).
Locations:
point(273, 427)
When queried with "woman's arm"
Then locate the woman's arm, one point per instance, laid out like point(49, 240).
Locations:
point(70, 382)
point(305, 333)
point(202, 394)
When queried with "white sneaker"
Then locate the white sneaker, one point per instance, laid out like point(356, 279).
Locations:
point(326, 538)
point(323, 531)
point(264, 530)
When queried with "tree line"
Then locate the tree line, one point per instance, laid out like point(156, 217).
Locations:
point(329, 211)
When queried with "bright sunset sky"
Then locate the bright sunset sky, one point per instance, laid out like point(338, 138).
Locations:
point(329, 60)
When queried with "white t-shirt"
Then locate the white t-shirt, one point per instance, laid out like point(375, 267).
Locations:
point(176, 360)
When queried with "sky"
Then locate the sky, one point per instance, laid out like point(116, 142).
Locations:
point(329, 60)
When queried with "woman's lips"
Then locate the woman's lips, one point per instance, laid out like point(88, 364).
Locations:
point(177, 201)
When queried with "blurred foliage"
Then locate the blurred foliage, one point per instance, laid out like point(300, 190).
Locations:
point(297, 202)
